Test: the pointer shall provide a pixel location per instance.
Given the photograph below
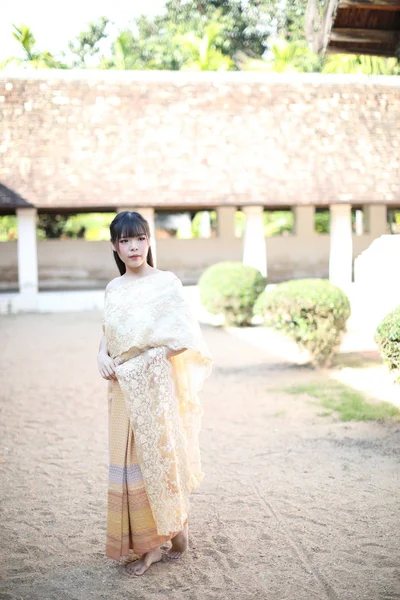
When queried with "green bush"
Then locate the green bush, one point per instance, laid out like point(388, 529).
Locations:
point(387, 337)
point(231, 288)
point(312, 312)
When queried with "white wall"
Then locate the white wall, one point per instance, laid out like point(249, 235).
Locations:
point(77, 264)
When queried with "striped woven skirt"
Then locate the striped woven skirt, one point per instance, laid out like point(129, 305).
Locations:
point(130, 522)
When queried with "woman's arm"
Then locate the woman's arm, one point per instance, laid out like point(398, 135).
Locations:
point(103, 345)
point(105, 363)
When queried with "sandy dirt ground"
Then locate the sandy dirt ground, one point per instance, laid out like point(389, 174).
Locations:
point(295, 505)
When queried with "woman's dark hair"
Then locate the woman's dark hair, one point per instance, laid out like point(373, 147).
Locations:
point(125, 225)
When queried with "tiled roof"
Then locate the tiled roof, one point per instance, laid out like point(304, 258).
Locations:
point(10, 199)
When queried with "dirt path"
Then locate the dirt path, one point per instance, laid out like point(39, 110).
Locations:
point(295, 505)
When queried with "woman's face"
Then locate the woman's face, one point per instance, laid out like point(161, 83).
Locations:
point(133, 250)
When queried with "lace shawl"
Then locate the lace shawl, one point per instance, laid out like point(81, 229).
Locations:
point(141, 319)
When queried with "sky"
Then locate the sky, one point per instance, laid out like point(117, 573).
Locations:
point(54, 23)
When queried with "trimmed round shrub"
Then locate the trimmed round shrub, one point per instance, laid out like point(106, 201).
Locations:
point(231, 288)
point(387, 337)
point(312, 312)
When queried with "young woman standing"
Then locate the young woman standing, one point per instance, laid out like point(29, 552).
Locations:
point(155, 358)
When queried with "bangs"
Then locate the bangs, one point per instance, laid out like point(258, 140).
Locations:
point(127, 226)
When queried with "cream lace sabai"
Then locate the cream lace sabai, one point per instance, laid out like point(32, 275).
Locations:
point(141, 319)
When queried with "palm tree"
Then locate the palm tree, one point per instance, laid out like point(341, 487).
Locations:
point(123, 53)
point(32, 59)
point(285, 57)
point(202, 52)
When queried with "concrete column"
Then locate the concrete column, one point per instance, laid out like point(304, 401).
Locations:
point(254, 246)
point(226, 222)
point(205, 224)
point(304, 220)
point(375, 219)
point(341, 246)
point(27, 251)
point(359, 222)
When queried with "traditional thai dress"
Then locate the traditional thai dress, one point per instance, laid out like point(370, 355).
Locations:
point(154, 411)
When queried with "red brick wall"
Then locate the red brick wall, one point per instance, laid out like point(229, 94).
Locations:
point(98, 139)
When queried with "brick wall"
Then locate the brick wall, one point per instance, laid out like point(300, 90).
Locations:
point(98, 139)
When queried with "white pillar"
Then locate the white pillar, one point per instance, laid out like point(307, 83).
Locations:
point(375, 219)
point(27, 252)
point(254, 246)
point(226, 222)
point(304, 224)
point(184, 231)
point(205, 224)
point(359, 222)
point(341, 246)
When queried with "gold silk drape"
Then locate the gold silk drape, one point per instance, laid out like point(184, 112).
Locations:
point(141, 319)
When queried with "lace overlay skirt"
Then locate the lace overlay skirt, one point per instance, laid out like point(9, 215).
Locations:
point(130, 522)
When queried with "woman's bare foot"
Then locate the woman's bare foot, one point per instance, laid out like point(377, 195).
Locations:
point(180, 543)
point(140, 566)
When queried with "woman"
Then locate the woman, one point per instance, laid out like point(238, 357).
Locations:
point(155, 358)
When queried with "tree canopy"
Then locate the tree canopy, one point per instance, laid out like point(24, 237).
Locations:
point(208, 35)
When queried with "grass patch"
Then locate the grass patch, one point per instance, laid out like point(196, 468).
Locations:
point(324, 413)
point(279, 413)
point(357, 360)
point(349, 403)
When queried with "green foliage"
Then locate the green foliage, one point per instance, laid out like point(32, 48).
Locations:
point(25, 37)
point(147, 47)
point(196, 223)
point(291, 18)
point(88, 226)
point(387, 337)
point(206, 35)
point(245, 26)
point(231, 288)
point(349, 403)
point(32, 58)
point(312, 312)
point(360, 64)
point(87, 43)
point(394, 220)
point(276, 222)
point(51, 226)
point(203, 53)
point(124, 53)
point(8, 228)
point(165, 43)
point(322, 221)
point(240, 221)
point(284, 57)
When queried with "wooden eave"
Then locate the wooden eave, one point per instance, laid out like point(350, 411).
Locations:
point(355, 27)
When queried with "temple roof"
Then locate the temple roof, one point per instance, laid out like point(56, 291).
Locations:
point(105, 139)
point(10, 200)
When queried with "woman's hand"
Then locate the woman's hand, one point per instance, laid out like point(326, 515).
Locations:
point(106, 366)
